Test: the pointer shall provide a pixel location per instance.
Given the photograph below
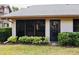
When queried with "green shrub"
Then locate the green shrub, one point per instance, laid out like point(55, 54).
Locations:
point(33, 39)
point(22, 39)
point(45, 39)
point(37, 40)
point(12, 39)
point(5, 33)
point(25, 39)
point(68, 38)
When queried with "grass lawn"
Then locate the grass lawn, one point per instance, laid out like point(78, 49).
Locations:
point(37, 50)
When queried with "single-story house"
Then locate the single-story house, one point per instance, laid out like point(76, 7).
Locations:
point(45, 20)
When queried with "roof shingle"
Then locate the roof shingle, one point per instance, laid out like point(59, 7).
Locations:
point(45, 10)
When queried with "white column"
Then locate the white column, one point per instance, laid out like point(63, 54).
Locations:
point(67, 25)
point(10, 23)
point(14, 28)
point(47, 29)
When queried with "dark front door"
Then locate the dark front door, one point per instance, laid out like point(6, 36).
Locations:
point(54, 29)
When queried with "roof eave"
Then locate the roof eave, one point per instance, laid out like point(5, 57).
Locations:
point(38, 16)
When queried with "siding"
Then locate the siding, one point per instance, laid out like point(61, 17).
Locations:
point(67, 25)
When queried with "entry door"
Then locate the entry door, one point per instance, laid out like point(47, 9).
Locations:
point(54, 29)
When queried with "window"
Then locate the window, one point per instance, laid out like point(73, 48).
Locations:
point(30, 27)
point(76, 25)
point(5, 25)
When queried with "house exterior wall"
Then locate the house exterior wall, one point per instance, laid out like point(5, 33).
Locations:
point(14, 28)
point(66, 25)
point(6, 10)
point(47, 29)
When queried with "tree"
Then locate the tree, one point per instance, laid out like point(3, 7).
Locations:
point(15, 8)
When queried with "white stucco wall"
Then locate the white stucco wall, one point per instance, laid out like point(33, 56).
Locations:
point(66, 25)
point(10, 23)
point(14, 28)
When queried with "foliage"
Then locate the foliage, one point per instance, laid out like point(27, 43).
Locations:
point(45, 39)
point(37, 40)
point(34, 40)
point(12, 39)
point(25, 39)
point(5, 33)
point(15, 8)
point(68, 38)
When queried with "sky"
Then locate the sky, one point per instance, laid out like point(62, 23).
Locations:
point(34, 2)
point(23, 3)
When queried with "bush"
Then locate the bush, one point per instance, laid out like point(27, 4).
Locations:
point(5, 33)
point(22, 39)
point(45, 39)
point(12, 39)
point(25, 39)
point(68, 38)
point(37, 40)
point(34, 40)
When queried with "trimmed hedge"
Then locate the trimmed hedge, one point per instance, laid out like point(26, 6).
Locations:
point(12, 39)
point(68, 39)
point(25, 39)
point(37, 40)
point(33, 40)
point(5, 33)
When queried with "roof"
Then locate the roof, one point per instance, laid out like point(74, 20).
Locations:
point(47, 10)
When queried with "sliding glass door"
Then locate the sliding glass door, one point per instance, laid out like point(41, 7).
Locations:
point(20, 28)
point(30, 27)
point(40, 28)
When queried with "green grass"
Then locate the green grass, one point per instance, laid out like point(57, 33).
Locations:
point(37, 50)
